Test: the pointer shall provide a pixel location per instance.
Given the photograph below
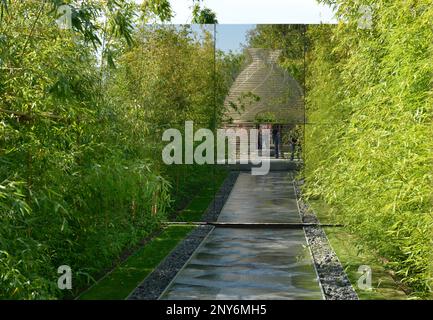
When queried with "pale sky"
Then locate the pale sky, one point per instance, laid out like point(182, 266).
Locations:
point(258, 11)
point(236, 17)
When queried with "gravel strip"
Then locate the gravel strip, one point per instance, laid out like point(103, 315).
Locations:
point(156, 282)
point(213, 210)
point(335, 283)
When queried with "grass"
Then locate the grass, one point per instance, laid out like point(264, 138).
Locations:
point(195, 209)
point(127, 276)
point(346, 246)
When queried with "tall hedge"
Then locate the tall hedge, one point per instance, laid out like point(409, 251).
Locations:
point(369, 133)
point(81, 120)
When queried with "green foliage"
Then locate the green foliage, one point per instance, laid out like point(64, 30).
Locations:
point(243, 101)
point(368, 150)
point(265, 117)
point(193, 212)
point(202, 15)
point(156, 9)
point(289, 38)
point(128, 275)
point(168, 78)
point(385, 286)
point(81, 176)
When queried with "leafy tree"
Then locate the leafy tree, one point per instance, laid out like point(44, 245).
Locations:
point(202, 15)
point(80, 139)
point(288, 38)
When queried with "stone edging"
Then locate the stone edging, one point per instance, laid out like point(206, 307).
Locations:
point(333, 279)
point(156, 282)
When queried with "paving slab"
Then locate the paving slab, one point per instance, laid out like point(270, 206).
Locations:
point(261, 199)
point(248, 264)
point(252, 263)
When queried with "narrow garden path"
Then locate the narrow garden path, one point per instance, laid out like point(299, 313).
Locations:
point(252, 263)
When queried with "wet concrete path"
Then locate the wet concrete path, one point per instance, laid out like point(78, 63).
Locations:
point(269, 198)
point(252, 263)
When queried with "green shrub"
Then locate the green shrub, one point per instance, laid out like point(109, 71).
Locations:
point(81, 117)
point(369, 150)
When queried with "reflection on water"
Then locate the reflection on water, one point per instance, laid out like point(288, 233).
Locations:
point(254, 263)
point(248, 264)
point(269, 198)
